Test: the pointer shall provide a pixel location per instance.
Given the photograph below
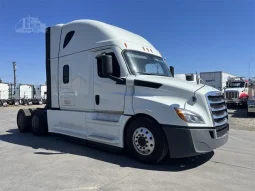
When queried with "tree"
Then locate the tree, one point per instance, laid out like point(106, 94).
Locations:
point(1, 81)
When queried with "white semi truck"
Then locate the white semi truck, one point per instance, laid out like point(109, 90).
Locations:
point(110, 87)
point(236, 91)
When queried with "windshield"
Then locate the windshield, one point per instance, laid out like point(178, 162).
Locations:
point(236, 84)
point(146, 64)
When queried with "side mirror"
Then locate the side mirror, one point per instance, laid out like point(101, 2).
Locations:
point(172, 70)
point(106, 68)
point(189, 77)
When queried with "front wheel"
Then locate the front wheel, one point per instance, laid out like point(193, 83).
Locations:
point(145, 140)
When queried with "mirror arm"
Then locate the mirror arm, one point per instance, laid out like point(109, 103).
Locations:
point(117, 80)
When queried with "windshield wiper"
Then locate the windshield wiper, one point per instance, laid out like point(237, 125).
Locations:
point(144, 73)
point(151, 74)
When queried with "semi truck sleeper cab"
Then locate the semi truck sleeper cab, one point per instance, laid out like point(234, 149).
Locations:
point(109, 86)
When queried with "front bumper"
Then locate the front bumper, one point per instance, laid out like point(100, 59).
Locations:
point(190, 141)
point(236, 101)
point(251, 106)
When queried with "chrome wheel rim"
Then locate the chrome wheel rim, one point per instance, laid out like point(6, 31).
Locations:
point(143, 141)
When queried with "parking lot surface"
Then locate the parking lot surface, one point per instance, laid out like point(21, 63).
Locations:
point(32, 163)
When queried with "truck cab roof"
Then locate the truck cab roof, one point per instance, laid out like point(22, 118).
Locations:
point(80, 35)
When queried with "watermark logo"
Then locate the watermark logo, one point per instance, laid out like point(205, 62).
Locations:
point(30, 25)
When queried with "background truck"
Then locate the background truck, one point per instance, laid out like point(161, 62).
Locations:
point(216, 79)
point(236, 91)
point(109, 87)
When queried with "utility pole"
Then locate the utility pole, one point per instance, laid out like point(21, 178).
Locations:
point(14, 73)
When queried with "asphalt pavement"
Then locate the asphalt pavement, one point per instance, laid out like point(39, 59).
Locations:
point(29, 163)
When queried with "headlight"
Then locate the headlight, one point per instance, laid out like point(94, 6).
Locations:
point(189, 116)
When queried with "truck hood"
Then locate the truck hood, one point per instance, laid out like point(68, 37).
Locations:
point(170, 83)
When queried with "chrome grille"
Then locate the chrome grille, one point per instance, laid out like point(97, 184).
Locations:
point(219, 112)
point(231, 94)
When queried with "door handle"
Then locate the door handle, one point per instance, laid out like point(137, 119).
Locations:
point(97, 98)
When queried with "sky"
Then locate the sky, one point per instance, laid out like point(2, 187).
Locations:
point(193, 35)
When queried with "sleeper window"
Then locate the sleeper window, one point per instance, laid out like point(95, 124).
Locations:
point(68, 38)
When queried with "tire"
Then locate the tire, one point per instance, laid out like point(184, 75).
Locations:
point(145, 140)
point(245, 106)
point(32, 110)
point(24, 120)
point(39, 123)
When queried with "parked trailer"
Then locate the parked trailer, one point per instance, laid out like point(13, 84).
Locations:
point(40, 94)
point(4, 93)
point(24, 93)
point(216, 79)
point(110, 87)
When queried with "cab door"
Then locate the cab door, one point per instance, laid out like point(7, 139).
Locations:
point(109, 96)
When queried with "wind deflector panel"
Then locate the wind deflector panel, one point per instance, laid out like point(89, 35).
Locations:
point(48, 70)
point(68, 38)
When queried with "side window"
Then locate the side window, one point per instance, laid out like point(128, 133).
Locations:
point(246, 85)
point(116, 66)
point(66, 74)
point(68, 38)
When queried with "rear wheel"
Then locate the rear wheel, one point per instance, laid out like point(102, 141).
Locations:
point(39, 123)
point(24, 120)
point(145, 140)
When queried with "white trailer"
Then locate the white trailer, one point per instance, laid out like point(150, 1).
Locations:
point(40, 94)
point(4, 93)
point(216, 79)
point(24, 93)
point(110, 87)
